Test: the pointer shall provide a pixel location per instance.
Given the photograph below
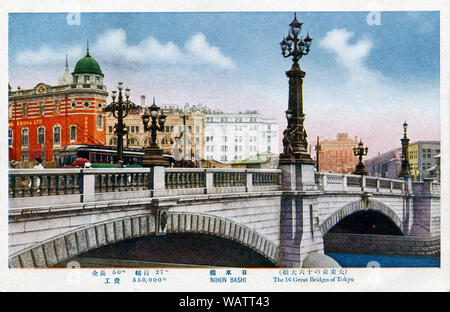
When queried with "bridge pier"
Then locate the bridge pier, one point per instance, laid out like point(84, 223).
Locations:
point(299, 224)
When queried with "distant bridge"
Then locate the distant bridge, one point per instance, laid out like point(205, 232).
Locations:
point(252, 217)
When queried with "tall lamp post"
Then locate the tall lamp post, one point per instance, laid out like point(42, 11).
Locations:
point(360, 151)
point(295, 144)
point(153, 154)
point(120, 110)
point(405, 167)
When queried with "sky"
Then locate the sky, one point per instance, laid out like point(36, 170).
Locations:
point(365, 74)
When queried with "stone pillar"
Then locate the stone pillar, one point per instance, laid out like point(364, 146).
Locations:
point(408, 211)
point(159, 180)
point(88, 186)
point(249, 181)
point(298, 176)
point(299, 227)
point(424, 208)
point(209, 181)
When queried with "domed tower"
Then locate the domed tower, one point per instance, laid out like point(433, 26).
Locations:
point(88, 71)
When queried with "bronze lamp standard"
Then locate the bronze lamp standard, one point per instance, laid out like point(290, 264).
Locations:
point(295, 144)
point(153, 155)
point(120, 110)
point(405, 166)
point(360, 151)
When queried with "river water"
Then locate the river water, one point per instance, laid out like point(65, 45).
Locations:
point(361, 261)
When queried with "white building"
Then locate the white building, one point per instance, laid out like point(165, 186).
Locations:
point(231, 137)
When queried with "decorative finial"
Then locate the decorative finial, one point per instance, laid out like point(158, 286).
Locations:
point(67, 60)
point(87, 53)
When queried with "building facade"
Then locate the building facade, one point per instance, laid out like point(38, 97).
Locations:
point(422, 157)
point(337, 155)
point(386, 165)
point(46, 118)
point(183, 135)
point(232, 137)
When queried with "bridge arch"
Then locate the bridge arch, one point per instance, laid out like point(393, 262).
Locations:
point(357, 206)
point(92, 236)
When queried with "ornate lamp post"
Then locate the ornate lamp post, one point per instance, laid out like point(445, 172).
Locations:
point(120, 110)
point(405, 167)
point(360, 151)
point(295, 144)
point(153, 154)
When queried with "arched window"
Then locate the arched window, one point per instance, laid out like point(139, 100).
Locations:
point(113, 141)
point(10, 138)
point(41, 135)
point(24, 139)
point(25, 109)
point(99, 122)
point(133, 141)
point(41, 108)
point(57, 134)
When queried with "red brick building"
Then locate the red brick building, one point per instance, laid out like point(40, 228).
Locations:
point(46, 118)
point(337, 155)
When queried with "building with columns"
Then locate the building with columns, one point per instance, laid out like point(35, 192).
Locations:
point(46, 118)
point(183, 135)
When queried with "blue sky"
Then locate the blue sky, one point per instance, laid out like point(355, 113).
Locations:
point(362, 79)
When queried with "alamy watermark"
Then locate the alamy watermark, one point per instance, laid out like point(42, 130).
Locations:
point(73, 19)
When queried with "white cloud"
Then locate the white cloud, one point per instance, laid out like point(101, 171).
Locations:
point(202, 51)
point(46, 55)
point(351, 56)
point(112, 47)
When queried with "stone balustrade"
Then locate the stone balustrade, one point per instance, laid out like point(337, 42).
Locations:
point(41, 188)
point(334, 182)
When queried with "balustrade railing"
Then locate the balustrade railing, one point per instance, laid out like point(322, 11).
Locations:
point(94, 184)
point(348, 182)
point(111, 180)
point(184, 178)
point(33, 183)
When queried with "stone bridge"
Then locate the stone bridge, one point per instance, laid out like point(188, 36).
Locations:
point(281, 215)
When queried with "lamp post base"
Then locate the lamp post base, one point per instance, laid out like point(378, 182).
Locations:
point(296, 159)
point(360, 169)
point(153, 156)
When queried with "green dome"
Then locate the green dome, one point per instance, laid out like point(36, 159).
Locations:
point(87, 65)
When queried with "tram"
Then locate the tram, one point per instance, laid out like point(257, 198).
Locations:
point(99, 156)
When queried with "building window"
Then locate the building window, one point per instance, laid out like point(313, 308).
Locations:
point(57, 106)
point(73, 133)
point(57, 135)
point(41, 108)
point(86, 104)
point(10, 137)
point(133, 141)
point(97, 79)
point(74, 104)
point(113, 141)
point(25, 133)
point(25, 109)
point(110, 129)
point(99, 122)
point(41, 135)
point(86, 78)
point(137, 129)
